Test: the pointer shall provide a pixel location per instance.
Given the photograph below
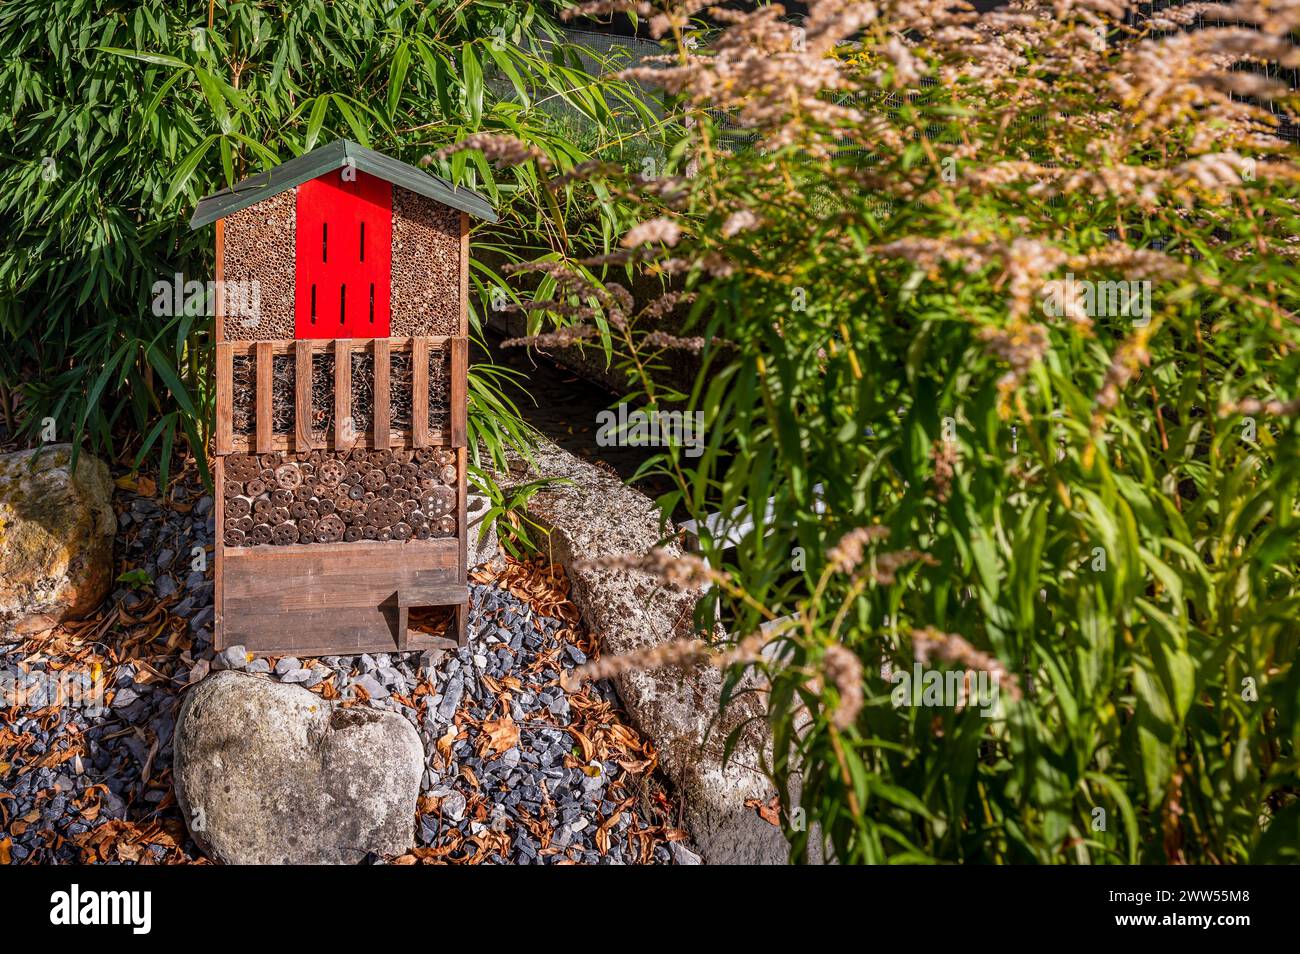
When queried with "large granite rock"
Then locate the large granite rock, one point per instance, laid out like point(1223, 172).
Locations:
point(269, 773)
point(56, 539)
point(596, 515)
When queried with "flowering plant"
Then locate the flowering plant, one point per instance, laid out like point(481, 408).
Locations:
point(1092, 497)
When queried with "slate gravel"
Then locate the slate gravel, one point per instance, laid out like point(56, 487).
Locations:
point(67, 769)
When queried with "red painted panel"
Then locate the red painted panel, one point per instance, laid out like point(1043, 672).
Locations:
point(344, 254)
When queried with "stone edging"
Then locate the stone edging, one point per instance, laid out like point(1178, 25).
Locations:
point(599, 516)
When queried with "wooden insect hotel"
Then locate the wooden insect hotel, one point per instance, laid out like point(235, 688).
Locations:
point(341, 361)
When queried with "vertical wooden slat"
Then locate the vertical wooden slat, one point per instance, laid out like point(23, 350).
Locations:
point(344, 433)
point(464, 273)
point(381, 394)
point(403, 626)
point(264, 397)
point(220, 277)
point(419, 392)
point(225, 360)
point(302, 395)
point(459, 369)
point(218, 545)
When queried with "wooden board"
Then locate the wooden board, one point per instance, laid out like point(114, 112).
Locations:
point(302, 397)
point(262, 397)
point(336, 599)
point(381, 404)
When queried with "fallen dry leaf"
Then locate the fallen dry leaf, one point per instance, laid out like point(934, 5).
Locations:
point(502, 734)
point(445, 743)
point(769, 811)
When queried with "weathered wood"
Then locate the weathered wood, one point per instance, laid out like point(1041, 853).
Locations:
point(219, 515)
point(344, 431)
point(302, 396)
point(242, 444)
point(426, 594)
point(220, 276)
point(464, 273)
point(459, 383)
point(381, 401)
point(263, 397)
point(329, 597)
point(420, 392)
point(225, 361)
point(290, 345)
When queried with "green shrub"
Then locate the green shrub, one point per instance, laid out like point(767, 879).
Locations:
point(942, 467)
point(118, 119)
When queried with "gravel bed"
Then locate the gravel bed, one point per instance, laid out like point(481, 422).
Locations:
point(517, 769)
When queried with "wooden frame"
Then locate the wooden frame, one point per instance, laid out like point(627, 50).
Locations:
point(381, 435)
point(347, 597)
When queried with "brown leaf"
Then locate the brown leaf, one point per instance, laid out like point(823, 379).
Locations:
point(584, 742)
point(445, 743)
point(128, 852)
point(769, 811)
point(502, 734)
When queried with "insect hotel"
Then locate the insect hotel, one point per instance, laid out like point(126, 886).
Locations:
point(341, 401)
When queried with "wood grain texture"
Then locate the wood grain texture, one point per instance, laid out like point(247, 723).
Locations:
point(219, 515)
point(459, 385)
point(382, 405)
point(220, 269)
point(241, 444)
point(344, 433)
point(223, 435)
point(464, 273)
point(420, 392)
point(317, 345)
point(263, 397)
point(328, 598)
point(302, 396)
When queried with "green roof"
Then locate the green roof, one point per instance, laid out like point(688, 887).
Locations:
point(256, 188)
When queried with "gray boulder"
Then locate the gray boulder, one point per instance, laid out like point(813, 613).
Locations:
point(268, 773)
point(56, 539)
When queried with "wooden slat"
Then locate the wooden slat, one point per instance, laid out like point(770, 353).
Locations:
point(381, 408)
point(420, 392)
point(290, 345)
point(263, 397)
point(225, 360)
point(459, 369)
point(328, 597)
point(434, 552)
point(219, 516)
point(302, 396)
point(433, 594)
point(343, 434)
point(220, 277)
point(464, 273)
point(242, 444)
point(427, 594)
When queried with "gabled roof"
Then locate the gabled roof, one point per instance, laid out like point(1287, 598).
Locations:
point(333, 156)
